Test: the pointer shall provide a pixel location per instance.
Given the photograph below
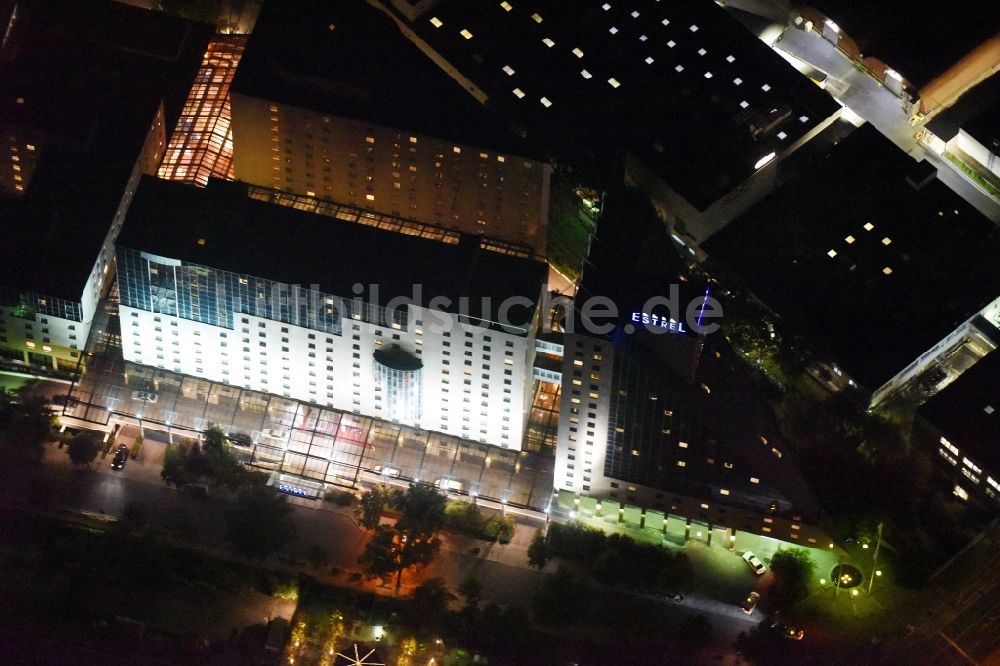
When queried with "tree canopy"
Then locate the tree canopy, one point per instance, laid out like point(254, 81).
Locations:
point(83, 447)
point(260, 522)
point(793, 569)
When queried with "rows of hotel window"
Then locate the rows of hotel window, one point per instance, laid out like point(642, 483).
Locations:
point(29, 334)
point(356, 368)
point(285, 179)
point(593, 395)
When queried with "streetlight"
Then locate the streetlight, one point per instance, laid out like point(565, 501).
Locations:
point(878, 544)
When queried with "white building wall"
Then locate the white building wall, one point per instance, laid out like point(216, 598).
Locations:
point(475, 382)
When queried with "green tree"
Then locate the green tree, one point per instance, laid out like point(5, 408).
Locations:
point(471, 590)
point(793, 569)
point(539, 551)
point(26, 424)
point(373, 503)
point(421, 508)
point(427, 605)
point(677, 575)
point(260, 523)
point(84, 447)
point(175, 464)
point(391, 551)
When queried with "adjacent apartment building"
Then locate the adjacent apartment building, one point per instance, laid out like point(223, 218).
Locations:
point(87, 92)
point(316, 114)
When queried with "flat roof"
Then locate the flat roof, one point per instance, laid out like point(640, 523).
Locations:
point(977, 112)
point(349, 59)
point(220, 226)
point(967, 412)
point(679, 85)
point(919, 47)
point(850, 255)
point(89, 77)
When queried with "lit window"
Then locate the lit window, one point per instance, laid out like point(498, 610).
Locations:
point(536, 18)
point(702, 52)
point(831, 254)
point(671, 43)
point(887, 270)
point(31, 148)
point(803, 119)
point(723, 491)
point(548, 42)
point(370, 197)
point(413, 139)
point(754, 479)
point(506, 6)
point(585, 74)
point(613, 30)
point(708, 75)
point(456, 149)
point(436, 22)
point(682, 445)
point(704, 506)
point(681, 463)
point(730, 59)
point(665, 21)
point(465, 33)
point(782, 135)
point(501, 158)
point(694, 28)
point(643, 38)
point(744, 104)
point(545, 102)
point(737, 81)
point(614, 82)
point(886, 241)
point(679, 68)
point(765, 87)
point(635, 14)
point(869, 226)
point(605, 6)
point(519, 93)
point(849, 240)
point(649, 60)
point(509, 70)
point(578, 53)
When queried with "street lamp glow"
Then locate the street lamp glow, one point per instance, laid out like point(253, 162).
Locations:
point(878, 572)
point(865, 546)
point(764, 160)
point(572, 514)
point(822, 581)
point(854, 593)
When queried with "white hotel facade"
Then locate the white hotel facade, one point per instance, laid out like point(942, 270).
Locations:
point(419, 364)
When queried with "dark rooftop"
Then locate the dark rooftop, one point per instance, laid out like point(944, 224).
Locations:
point(977, 112)
point(918, 44)
point(350, 60)
point(967, 412)
point(906, 268)
point(677, 84)
point(82, 82)
point(252, 237)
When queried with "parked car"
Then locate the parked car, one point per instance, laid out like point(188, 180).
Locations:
point(148, 396)
point(449, 485)
point(789, 632)
point(754, 562)
point(240, 439)
point(121, 456)
point(750, 602)
point(385, 470)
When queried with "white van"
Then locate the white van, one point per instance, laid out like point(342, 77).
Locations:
point(449, 485)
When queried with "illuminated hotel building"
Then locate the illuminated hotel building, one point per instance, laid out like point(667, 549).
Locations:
point(393, 135)
point(658, 423)
point(280, 300)
point(86, 96)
